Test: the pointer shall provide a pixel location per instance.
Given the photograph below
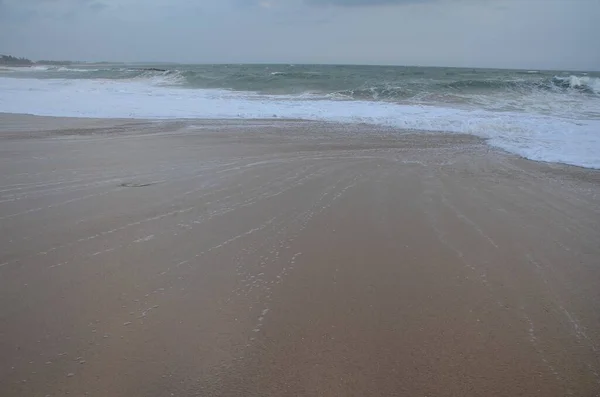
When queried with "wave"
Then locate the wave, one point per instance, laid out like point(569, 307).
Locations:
point(528, 72)
point(66, 69)
point(158, 76)
point(585, 84)
point(416, 90)
point(387, 85)
point(298, 75)
point(378, 92)
point(41, 68)
point(535, 136)
point(537, 94)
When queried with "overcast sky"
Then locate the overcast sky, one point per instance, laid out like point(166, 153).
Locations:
point(560, 34)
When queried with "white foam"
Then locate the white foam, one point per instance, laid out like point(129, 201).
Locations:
point(66, 69)
point(40, 68)
point(593, 83)
point(545, 137)
point(144, 239)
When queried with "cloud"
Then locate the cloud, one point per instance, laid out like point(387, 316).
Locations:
point(362, 3)
point(36, 2)
point(490, 33)
point(98, 6)
point(337, 3)
point(14, 14)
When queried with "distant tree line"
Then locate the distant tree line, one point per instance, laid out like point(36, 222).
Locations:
point(9, 60)
point(14, 61)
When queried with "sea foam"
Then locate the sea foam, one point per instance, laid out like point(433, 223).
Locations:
point(545, 137)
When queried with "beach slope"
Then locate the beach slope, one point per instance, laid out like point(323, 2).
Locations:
point(276, 258)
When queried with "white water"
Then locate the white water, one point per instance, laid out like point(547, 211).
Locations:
point(535, 136)
point(584, 81)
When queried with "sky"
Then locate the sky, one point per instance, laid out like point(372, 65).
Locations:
point(533, 34)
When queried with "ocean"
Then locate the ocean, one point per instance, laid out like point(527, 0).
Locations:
point(551, 116)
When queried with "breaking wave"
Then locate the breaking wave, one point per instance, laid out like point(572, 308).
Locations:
point(548, 116)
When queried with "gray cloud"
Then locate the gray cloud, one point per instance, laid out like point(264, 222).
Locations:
point(339, 3)
point(15, 14)
point(50, 2)
point(550, 34)
point(363, 3)
point(98, 6)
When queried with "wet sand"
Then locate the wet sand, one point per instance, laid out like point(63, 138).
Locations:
point(287, 258)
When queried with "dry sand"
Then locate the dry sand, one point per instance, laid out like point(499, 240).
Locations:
point(285, 258)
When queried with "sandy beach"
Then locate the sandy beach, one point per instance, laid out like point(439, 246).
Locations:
point(290, 258)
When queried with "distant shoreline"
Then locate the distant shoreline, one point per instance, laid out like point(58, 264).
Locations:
point(25, 62)
point(9, 60)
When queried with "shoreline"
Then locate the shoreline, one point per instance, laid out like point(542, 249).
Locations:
point(270, 257)
point(84, 122)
